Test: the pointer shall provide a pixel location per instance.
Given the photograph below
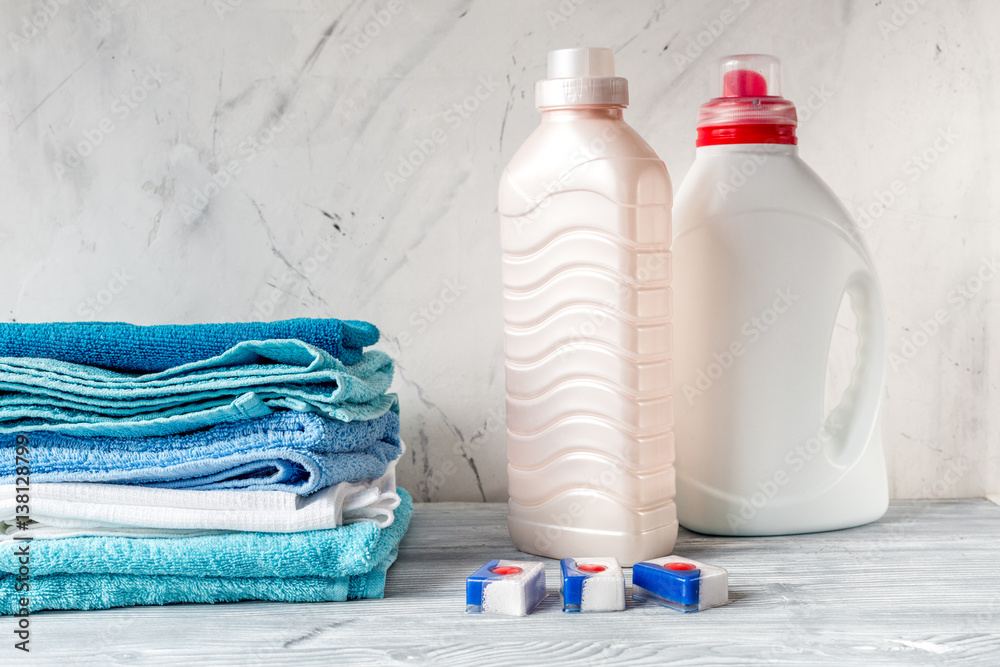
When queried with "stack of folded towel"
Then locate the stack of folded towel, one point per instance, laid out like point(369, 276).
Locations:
point(196, 463)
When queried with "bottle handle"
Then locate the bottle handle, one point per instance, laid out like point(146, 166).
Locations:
point(853, 420)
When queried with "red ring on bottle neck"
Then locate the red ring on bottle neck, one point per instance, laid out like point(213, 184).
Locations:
point(715, 135)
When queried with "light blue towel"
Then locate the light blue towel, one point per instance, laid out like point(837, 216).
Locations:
point(249, 380)
point(103, 572)
point(130, 348)
point(286, 451)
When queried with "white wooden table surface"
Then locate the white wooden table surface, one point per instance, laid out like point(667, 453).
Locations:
point(922, 586)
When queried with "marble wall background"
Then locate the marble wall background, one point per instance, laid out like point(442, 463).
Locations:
point(227, 159)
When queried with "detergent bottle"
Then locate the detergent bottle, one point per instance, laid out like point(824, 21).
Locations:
point(585, 229)
point(765, 256)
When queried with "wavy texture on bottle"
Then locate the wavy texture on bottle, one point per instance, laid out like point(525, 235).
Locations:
point(574, 325)
point(599, 360)
point(587, 335)
point(586, 433)
point(592, 470)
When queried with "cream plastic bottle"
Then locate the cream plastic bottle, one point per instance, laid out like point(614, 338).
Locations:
point(765, 254)
point(585, 220)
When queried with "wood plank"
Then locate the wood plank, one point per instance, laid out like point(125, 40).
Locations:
point(922, 585)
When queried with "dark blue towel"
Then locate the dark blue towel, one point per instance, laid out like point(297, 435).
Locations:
point(138, 349)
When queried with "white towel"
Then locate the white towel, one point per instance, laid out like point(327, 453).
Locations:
point(75, 510)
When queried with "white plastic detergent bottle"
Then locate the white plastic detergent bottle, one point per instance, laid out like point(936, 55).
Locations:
point(765, 254)
point(585, 217)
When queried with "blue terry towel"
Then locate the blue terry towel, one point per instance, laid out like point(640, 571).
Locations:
point(131, 348)
point(249, 380)
point(102, 572)
point(286, 451)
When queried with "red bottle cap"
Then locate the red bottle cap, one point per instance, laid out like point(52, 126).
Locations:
point(749, 108)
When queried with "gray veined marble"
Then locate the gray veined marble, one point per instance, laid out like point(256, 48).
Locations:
point(226, 159)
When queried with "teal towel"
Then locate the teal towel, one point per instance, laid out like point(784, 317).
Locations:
point(102, 572)
point(130, 348)
point(249, 380)
point(95, 591)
